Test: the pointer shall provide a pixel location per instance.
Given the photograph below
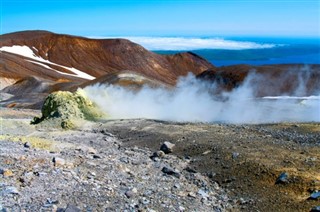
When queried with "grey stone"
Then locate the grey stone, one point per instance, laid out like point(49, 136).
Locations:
point(130, 193)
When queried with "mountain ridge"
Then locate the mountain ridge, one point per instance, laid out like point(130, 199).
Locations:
point(98, 57)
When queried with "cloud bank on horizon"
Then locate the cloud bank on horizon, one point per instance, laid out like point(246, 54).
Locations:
point(183, 43)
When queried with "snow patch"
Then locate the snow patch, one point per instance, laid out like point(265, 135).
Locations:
point(27, 52)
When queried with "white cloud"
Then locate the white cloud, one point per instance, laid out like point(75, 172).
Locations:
point(182, 43)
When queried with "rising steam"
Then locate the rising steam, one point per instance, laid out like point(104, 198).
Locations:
point(193, 100)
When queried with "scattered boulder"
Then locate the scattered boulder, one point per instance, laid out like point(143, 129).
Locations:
point(167, 147)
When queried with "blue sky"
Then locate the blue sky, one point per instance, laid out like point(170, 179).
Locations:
point(298, 18)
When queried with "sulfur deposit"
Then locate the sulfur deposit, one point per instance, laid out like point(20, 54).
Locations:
point(67, 109)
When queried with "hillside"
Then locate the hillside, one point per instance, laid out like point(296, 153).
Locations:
point(36, 63)
point(55, 56)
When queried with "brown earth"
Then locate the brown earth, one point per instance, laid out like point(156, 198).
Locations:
point(246, 160)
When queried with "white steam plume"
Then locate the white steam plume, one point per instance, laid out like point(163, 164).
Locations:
point(193, 101)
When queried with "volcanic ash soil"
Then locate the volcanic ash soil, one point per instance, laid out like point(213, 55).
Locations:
point(117, 165)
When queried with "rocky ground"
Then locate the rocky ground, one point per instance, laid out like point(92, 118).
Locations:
point(116, 165)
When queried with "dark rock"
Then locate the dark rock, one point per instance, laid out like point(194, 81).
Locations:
point(170, 171)
point(97, 157)
point(167, 147)
point(282, 179)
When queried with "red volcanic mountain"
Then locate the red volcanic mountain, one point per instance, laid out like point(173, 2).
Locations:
point(56, 55)
point(39, 62)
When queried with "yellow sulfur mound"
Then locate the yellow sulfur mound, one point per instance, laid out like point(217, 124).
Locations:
point(67, 108)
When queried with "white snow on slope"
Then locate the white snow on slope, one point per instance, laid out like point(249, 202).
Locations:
point(27, 52)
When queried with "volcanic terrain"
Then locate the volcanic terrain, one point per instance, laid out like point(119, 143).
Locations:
point(142, 164)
